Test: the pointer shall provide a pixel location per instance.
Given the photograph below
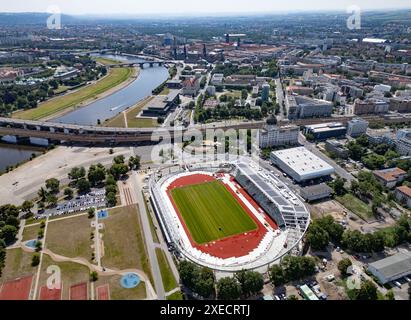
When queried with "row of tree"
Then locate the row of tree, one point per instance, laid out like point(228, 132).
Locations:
point(325, 230)
point(201, 281)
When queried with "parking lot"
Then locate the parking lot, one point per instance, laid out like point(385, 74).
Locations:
point(94, 199)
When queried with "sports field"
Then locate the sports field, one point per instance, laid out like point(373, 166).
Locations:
point(211, 212)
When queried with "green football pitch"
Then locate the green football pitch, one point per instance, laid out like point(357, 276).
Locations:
point(211, 212)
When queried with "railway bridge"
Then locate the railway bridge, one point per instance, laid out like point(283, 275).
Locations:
point(24, 130)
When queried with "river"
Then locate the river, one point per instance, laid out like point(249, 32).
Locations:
point(119, 101)
point(12, 155)
point(101, 109)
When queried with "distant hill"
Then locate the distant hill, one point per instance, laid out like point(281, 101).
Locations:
point(30, 18)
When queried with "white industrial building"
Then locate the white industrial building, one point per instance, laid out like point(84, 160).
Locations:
point(392, 268)
point(357, 127)
point(271, 136)
point(301, 164)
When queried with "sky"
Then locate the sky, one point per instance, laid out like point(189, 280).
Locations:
point(140, 7)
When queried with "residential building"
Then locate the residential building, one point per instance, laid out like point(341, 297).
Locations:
point(217, 79)
point(389, 178)
point(370, 106)
point(337, 148)
point(191, 86)
point(403, 195)
point(403, 142)
point(265, 92)
point(400, 104)
point(300, 107)
point(357, 127)
point(271, 136)
point(391, 268)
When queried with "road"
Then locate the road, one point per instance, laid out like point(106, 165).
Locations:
point(311, 147)
point(280, 98)
point(151, 247)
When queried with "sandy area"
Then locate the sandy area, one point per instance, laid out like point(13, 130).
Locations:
point(24, 182)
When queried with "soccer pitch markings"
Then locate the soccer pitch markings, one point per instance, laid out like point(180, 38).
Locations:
point(211, 212)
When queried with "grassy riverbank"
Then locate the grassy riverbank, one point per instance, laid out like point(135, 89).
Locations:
point(115, 77)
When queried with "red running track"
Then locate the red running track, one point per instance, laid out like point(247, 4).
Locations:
point(234, 246)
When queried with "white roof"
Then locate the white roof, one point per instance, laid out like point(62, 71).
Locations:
point(304, 162)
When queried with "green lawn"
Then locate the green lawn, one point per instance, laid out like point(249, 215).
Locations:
point(355, 205)
point(211, 212)
point(169, 281)
point(114, 78)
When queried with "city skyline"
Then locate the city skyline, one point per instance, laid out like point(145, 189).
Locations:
point(180, 7)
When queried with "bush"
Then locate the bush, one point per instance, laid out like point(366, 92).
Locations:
point(35, 260)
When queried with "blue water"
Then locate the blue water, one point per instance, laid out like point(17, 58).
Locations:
point(119, 101)
point(102, 214)
point(31, 244)
point(130, 281)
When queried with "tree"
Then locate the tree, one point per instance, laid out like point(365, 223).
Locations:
point(93, 276)
point(277, 275)
point(91, 213)
point(228, 289)
point(356, 151)
point(96, 174)
point(338, 186)
point(53, 185)
point(204, 283)
point(317, 237)
point(26, 207)
point(251, 282)
point(134, 163)
point(83, 186)
point(39, 246)
point(368, 291)
point(8, 234)
point(389, 295)
point(77, 174)
point(188, 273)
point(42, 193)
point(68, 192)
point(343, 266)
point(51, 200)
point(363, 141)
point(118, 170)
point(35, 260)
point(111, 199)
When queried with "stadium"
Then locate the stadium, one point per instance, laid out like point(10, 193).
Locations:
point(230, 216)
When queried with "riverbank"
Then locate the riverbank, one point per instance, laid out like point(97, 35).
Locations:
point(115, 80)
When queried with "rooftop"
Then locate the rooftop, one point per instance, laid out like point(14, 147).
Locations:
point(405, 190)
point(303, 161)
point(390, 174)
point(393, 266)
